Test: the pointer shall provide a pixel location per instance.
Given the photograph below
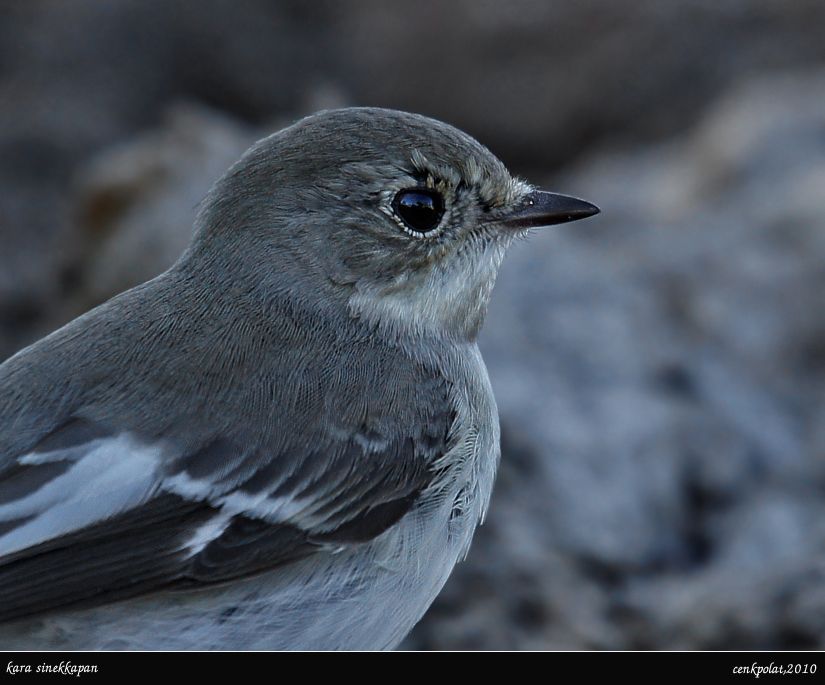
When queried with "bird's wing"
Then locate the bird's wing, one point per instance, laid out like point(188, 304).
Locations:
point(91, 514)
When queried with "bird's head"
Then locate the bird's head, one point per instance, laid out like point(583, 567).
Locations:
point(402, 219)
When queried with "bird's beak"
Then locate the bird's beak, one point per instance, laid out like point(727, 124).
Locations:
point(545, 209)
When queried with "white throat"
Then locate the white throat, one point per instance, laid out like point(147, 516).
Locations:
point(447, 300)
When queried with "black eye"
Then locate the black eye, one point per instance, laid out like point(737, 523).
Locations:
point(420, 209)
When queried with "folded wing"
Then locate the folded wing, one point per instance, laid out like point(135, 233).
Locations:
point(91, 515)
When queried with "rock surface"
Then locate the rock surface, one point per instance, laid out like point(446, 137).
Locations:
point(137, 201)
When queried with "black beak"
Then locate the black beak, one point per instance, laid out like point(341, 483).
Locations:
point(545, 209)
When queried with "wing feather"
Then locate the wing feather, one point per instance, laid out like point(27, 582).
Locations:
point(348, 493)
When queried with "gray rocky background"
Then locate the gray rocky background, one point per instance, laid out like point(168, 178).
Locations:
point(660, 370)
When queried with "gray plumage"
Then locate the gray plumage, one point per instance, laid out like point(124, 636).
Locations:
point(286, 440)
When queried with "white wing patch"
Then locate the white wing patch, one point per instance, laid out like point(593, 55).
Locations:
point(211, 530)
point(259, 505)
point(113, 475)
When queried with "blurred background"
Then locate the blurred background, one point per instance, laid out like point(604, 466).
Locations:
point(660, 369)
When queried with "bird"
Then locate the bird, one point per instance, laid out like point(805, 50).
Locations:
point(286, 440)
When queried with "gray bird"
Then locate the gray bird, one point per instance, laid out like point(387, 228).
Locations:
point(287, 440)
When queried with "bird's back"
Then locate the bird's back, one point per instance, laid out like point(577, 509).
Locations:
point(352, 473)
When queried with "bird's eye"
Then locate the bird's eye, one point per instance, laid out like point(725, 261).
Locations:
point(420, 209)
